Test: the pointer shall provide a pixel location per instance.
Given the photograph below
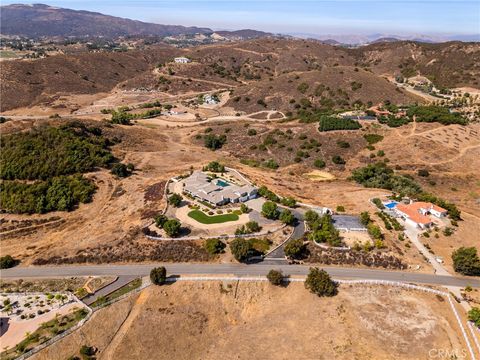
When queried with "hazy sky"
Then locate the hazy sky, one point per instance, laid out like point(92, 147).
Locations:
point(314, 17)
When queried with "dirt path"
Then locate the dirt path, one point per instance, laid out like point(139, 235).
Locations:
point(126, 326)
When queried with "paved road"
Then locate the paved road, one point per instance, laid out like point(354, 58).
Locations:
point(233, 269)
point(117, 284)
point(298, 232)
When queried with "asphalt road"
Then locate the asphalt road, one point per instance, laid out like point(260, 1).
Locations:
point(233, 269)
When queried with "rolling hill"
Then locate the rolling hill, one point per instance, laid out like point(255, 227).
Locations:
point(40, 20)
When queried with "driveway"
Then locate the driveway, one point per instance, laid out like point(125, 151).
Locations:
point(412, 233)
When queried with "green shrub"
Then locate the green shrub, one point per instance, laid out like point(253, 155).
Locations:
point(295, 249)
point(275, 277)
point(319, 282)
point(466, 261)
point(7, 262)
point(214, 246)
point(330, 123)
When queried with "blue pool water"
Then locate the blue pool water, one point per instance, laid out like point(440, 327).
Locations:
point(391, 204)
point(222, 183)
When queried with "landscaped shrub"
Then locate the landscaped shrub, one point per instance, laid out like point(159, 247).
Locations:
point(270, 210)
point(295, 249)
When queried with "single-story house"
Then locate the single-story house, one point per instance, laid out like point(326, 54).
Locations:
point(182, 60)
point(416, 213)
point(215, 191)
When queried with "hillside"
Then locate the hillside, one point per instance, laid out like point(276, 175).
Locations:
point(42, 20)
point(268, 69)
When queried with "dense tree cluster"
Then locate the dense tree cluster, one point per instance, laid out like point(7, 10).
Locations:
point(466, 261)
point(295, 249)
point(394, 121)
point(379, 175)
point(435, 113)
point(47, 151)
point(270, 210)
point(321, 228)
point(61, 193)
point(330, 123)
point(121, 170)
point(54, 157)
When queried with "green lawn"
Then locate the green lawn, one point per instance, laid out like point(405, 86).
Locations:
point(203, 218)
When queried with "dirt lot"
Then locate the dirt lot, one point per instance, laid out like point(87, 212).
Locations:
point(257, 320)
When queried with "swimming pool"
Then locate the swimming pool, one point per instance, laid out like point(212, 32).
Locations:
point(222, 183)
point(390, 205)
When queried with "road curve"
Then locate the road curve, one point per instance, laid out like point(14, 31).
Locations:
point(234, 269)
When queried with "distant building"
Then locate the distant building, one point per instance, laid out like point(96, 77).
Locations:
point(210, 99)
point(416, 213)
point(182, 60)
point(216, 191)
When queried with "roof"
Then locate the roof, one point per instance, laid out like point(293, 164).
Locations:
point(415, 209)
point(413, 214)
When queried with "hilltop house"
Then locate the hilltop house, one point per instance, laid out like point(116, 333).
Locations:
point(416, 213)
point(210, 99)
point(182, 60)
point(216, 192)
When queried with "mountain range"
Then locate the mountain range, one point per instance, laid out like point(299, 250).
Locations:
point(40, 20)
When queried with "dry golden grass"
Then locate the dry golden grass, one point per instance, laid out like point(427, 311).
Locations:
point(260, 321)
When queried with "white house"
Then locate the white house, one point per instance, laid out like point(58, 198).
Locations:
point(182, 60)
point(416, 213)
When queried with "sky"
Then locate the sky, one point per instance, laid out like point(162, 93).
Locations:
point(405, 17)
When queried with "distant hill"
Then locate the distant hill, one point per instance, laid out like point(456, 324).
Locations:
point(245, 34)
point(40, 20)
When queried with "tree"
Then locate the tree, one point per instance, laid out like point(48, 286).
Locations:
point(275, 277)
point(288, 201)
point(337, 159)
point(374, 231)
point(87, 351)
point(214, 142)
point(287, 217)
point(311, 216)
point(244, 209)
point(214, 166)
point(319, 282)
point(253, 227)
point(241, 249)
point(158, 275)
point(294, 249)
point(7, 262)
point(270, 210)
point(466, 261)
point(175, 200)
point(172, 227)
point(160, 219)
point(214, 246)
point(474, 316)
point(365, 218)
point(121, 170)
point(319, 163)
